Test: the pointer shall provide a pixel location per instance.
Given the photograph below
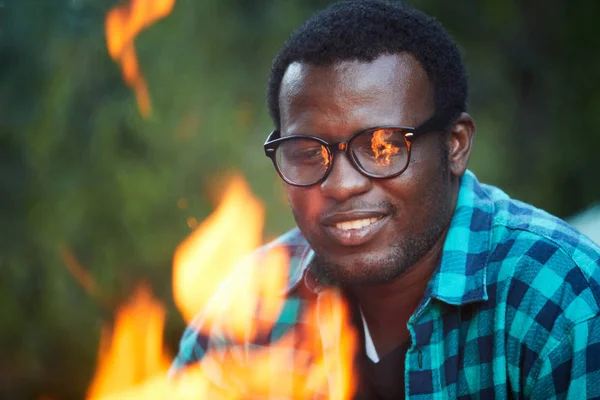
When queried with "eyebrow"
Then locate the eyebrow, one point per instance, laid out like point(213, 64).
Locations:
point(327, 138)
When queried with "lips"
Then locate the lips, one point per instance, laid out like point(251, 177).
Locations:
point(354, 228)
point(355, 224)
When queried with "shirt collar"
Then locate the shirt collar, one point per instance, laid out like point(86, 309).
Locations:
point(461, 275)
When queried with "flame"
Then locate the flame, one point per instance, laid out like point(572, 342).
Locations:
point(381, 148)
point(316, 368)
point(339, 344)
point(123, 23)
point(252, 298)
point(134, 353)
point(213, 249)
point(242, 296)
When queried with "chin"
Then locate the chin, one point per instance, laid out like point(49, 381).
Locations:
point(358, 269)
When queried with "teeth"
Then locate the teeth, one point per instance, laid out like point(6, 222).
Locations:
point(356, 224)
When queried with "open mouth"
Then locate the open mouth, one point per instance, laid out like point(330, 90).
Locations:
point(357, 223)
point(356, 232)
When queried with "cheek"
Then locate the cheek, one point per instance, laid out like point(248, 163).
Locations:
point(417, 192)
point(402, 190)
point(306, 204)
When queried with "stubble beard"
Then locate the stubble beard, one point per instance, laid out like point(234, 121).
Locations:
point(365, 271)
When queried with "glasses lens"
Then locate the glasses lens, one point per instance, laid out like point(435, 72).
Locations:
point(302, 161)
point(381, 152)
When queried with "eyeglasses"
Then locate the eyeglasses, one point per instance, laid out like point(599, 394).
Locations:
point(381, 152)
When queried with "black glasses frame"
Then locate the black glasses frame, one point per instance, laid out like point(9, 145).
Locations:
point(438, 122)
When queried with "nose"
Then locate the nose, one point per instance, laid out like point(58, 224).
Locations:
point(344, 180)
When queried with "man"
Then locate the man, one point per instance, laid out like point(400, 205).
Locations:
point(457, 290)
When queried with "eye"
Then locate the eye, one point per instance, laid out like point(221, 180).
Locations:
point(305, 152)
point(314, 153)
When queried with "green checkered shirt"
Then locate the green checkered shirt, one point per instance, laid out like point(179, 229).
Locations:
point(511, 312)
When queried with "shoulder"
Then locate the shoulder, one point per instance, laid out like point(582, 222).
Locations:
point(541, 257)
point(523, 235)
point(252, 306)
point(532, 256)
point(544, 276)
point(517, 217)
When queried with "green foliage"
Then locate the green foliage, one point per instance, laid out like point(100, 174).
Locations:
point(81, 168)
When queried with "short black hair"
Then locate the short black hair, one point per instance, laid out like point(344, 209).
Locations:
point(366, 29)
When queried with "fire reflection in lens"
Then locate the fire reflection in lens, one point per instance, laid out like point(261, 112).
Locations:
point(383, 151)
point(325, 156)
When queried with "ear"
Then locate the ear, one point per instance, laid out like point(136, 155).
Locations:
point(461, 142)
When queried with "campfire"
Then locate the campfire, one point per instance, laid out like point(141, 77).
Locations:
point(133, 365)
point(213, 274)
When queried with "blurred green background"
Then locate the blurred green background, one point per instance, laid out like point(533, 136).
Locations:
point(81, 170)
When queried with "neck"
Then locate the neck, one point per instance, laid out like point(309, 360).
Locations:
point(388, 307)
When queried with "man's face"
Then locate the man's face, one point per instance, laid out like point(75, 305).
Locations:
point(399, 219)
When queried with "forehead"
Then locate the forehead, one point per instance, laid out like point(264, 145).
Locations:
point(354, 95)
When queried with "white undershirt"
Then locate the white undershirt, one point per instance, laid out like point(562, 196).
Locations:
point(369, 345)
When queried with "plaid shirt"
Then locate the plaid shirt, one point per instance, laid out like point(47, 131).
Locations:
point(513, 310)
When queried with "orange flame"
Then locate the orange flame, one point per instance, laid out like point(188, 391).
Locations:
point(251, 298)
point(134, 353)
point(381, 148)
point(320, 366)
point(123, 23)
point(214, 248)
point(242, 296)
